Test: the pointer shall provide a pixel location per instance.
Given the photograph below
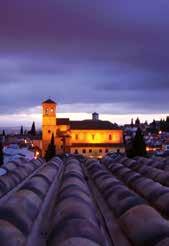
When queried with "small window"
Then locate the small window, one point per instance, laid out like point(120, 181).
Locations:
point(106, 150)
point(76, 151)
point(46, 111)
point(52, 110)
point(90, 150)
point(61, 146)
point(84, 151)
point(49, 131)
point(110, 137)
point(93, 136)
point(100, 150)
point(76, 136)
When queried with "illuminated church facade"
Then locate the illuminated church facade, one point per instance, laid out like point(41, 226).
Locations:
point(92, 138)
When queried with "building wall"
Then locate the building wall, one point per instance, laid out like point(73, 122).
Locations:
point(49, 126)
point(95, 151)
point(97, 136)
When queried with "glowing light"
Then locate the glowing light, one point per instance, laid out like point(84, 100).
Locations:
point(37, 154)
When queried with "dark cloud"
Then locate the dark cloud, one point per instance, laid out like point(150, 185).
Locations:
point(84, 52)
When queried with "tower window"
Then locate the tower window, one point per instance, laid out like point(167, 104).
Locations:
point(46, 111)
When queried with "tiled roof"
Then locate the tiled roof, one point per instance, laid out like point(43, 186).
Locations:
point(62, 121)
point(92, 125)
point(85, 202)
point(49, 101)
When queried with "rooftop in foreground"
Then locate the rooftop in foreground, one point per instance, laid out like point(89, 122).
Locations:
point(115, 201)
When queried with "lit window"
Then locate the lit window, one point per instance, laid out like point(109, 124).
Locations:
point(110, 137)
point(52, 110)
point(90, 150)
point(46, 111)
point(84, 151)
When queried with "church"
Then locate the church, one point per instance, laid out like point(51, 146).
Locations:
point(92, 138)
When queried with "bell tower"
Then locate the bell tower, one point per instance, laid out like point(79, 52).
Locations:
point(48, 123)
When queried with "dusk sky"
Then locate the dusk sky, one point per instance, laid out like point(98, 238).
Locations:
point(109, 56)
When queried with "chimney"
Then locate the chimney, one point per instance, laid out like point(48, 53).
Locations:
point(95, 116)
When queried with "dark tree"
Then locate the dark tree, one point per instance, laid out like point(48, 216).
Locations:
point(146, 123)
point(137, 122)
point(51, 150)
point(1, 154)
point(3, 133)
point(162, 125)
point(21, 131)
point(167, 124)
point(138, 147)
point(33, 129)
point(153, 127)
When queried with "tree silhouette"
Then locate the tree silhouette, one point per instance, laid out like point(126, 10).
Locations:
point(21, 131)
point(137, 122)
point(1, 154)
point(138, 147)
point(51, 150)
point(4, 133)
point(33, 129)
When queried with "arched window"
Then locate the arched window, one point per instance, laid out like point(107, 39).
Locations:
point(46, 110)
point(76, 151)
point(84, 151)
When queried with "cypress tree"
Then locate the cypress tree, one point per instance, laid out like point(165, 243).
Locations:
point(51, 150)
point(21, 131)
point(3, 133)
point(1, 154)
point(162, 125)
point(33, 129)
point(137, 122)
point(138, 145)
point(167, 124)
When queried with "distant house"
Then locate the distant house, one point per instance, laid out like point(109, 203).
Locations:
point(88, 137)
